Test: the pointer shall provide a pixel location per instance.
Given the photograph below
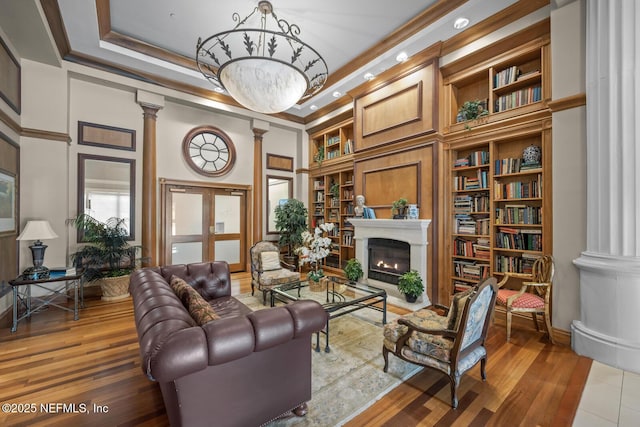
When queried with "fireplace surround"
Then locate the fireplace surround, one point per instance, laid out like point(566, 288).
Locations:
point(410, 231)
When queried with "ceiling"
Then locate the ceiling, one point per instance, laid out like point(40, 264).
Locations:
point(155, 40)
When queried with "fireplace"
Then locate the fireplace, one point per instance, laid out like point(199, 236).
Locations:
point(411, 233)
point(388, 259)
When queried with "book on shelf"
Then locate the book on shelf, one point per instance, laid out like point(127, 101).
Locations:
point(348, 147)
point(507, 76)
point(528, 74)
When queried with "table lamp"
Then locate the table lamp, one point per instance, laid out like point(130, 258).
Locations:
point(38, 231)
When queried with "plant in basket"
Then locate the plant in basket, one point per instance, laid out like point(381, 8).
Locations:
point(315, 247)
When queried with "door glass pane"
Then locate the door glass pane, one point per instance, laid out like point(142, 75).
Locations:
point(186, 214)
point(185, 253)
point(228, 250)
point(227, 214)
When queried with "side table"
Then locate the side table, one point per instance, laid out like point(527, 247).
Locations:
point(57, 286)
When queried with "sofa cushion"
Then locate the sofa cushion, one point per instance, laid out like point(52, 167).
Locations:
point(270, 261)
point(198, 308)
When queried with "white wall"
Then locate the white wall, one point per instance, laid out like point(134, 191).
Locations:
point(569, 159)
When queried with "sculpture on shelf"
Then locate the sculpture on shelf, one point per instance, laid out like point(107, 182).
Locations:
point(359, 208)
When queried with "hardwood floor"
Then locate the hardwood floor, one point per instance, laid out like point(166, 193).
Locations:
point(61, 368)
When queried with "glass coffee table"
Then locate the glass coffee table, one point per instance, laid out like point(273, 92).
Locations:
point(340, 297)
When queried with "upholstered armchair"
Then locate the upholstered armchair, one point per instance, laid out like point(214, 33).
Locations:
point(268, 270)
point(453, 343)
point(534, 296)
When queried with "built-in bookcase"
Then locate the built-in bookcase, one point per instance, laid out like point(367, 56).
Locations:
point(510, 84)
point(331, 189)
point(500, 208)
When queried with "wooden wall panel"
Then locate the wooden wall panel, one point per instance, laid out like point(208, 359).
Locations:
point(409, 172)
point(9, 161)
point(404, 108)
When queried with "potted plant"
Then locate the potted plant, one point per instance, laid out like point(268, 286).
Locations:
point(334, 189)
point(291, 221)
point(319, 157)
point(315, 247)
point(107, 258)
point(353, 270)
point(410, 284)
point(471, 110)
point(399, 207)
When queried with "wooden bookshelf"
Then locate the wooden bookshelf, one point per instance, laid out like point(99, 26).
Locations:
point(331, 145)
point(511, 84)
point(332, 189)
point(500, 223)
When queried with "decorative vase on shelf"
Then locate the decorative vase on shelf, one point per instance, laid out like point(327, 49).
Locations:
point(532, 154)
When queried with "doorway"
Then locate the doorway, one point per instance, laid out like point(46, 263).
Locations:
point(204, 223)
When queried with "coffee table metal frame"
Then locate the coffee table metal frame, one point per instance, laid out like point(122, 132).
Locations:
point(336, 303)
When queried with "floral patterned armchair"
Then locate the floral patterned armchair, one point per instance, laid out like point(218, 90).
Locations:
point(268, 270)
point(451, 344)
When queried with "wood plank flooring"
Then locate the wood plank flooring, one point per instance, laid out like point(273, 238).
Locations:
point(87, 372)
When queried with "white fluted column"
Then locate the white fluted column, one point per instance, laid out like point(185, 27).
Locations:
point(609, 327)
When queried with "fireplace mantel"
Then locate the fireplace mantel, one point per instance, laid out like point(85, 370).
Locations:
point(412, 231)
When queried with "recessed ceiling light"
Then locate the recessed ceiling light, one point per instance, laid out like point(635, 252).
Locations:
point(337, 94)
point(218, 89)
point(402, 56)
point(460, 23)
point(369, 76)
point(313, 107)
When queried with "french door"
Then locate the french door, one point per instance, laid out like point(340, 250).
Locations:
point(201, 223)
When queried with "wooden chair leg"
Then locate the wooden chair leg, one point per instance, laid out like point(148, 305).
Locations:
point(252, 288)
point(535, 321)
point(483, 371)
point(508, 325)
point(454, 381)
point(385, 355)
point(547, 321)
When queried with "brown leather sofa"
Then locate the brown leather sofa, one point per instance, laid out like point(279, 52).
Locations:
point(243, 369)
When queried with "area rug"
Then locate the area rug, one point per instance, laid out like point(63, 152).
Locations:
point(349, 379)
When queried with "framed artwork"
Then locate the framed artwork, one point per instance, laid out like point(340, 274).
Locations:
point(9, 78)
point(106, 136)
point(7, 203)
point(277, 162)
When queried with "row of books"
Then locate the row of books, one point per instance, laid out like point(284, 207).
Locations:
point(348, 147)
point(318, 184)
point(347, 194)
point(518, 214)
point(518, 190)
point(333, 140)
point(505, 166)
point(470, 270)
point(518, 98)
point(481, 180)
point(333, 154)
point(515, 264)
point(506, 76)
point(318, 211)
point(477, 158)
point(320, 196)
point(510, 238)
point(466, 224)
point(478, 248)
point(348, 209)
point(466, 203)
point(347, 238)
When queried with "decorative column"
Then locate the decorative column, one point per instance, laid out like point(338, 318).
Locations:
point(610, 267)
point(259, 128)
point(150, 104)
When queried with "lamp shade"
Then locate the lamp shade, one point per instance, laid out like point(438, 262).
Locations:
point(37, 230)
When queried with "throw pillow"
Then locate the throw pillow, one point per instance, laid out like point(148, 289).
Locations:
point(198, 308)
point(457, 306)
point(270, 261)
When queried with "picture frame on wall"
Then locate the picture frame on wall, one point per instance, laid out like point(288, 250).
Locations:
point(106, 136)
point(7, 203)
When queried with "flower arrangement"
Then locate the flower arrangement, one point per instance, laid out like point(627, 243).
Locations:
point(315, 247)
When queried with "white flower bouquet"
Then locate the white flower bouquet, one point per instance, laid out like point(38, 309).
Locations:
point(315, 247)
